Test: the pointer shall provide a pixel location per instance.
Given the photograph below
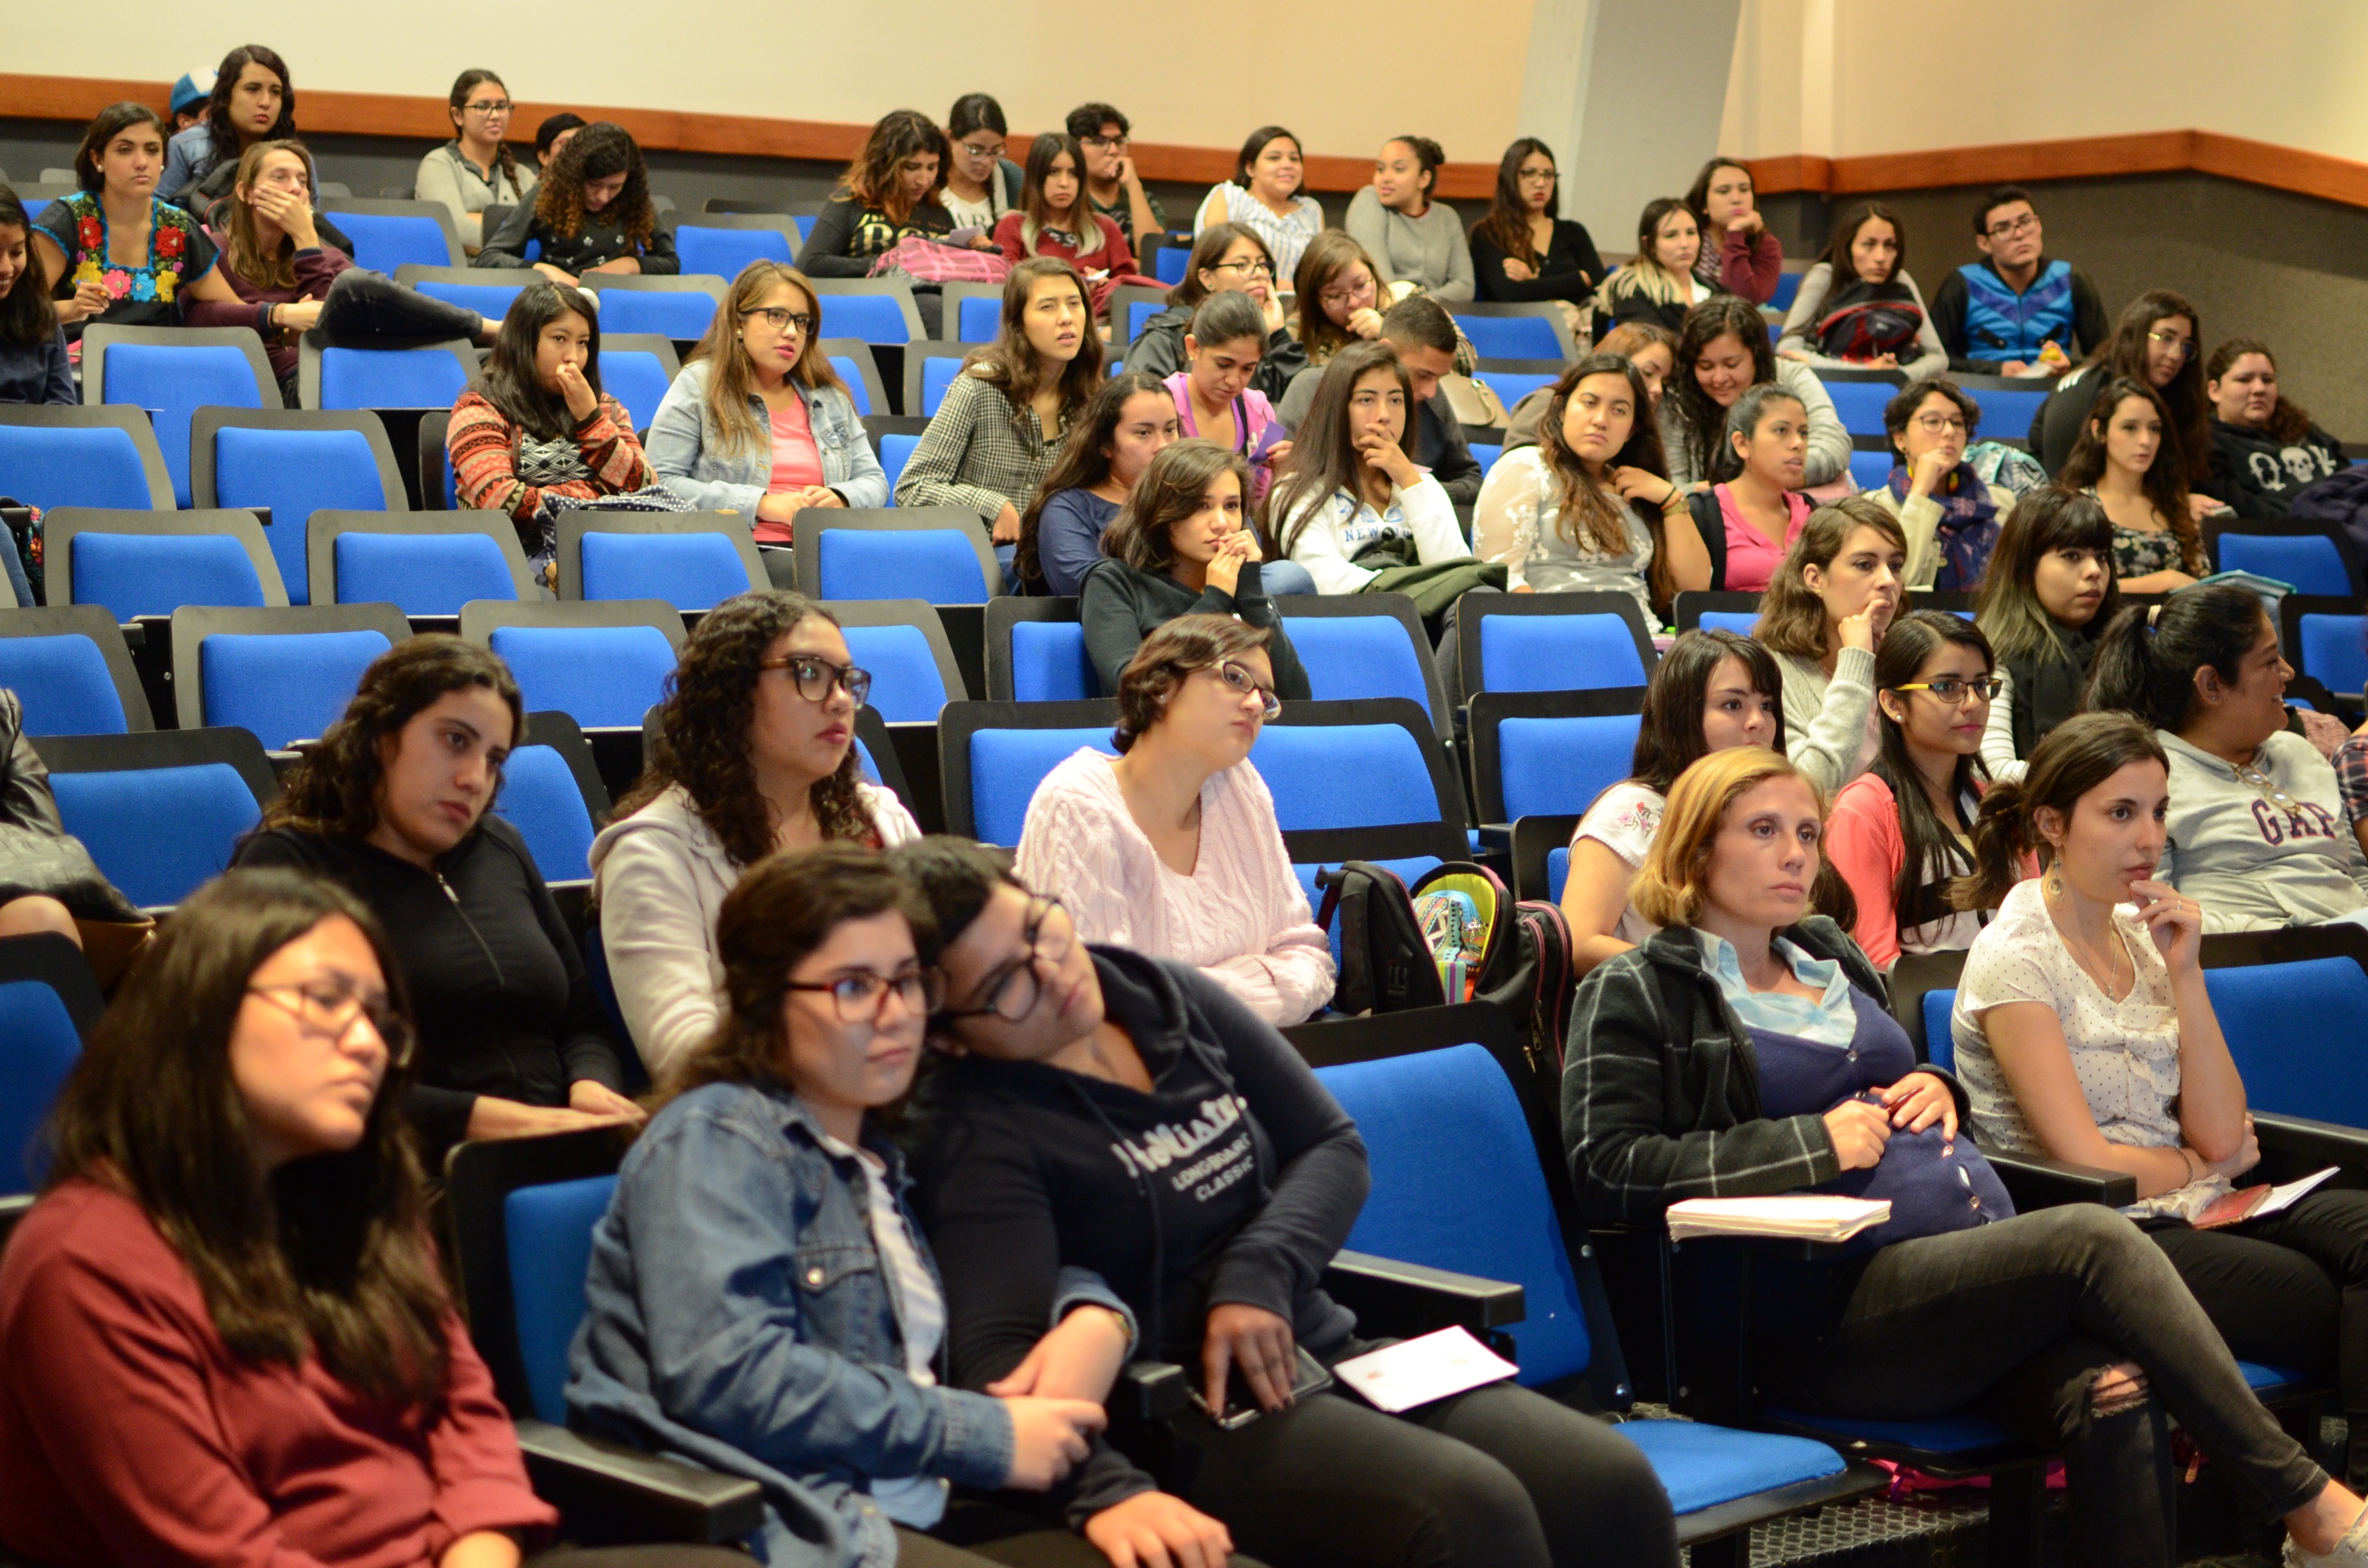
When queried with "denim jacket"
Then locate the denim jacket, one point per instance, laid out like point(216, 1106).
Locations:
point(739, 1318)
point(716, 481)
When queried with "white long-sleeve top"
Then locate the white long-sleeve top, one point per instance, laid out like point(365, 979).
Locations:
point(1241, 918)
point(1340, 524)
point(660, 876)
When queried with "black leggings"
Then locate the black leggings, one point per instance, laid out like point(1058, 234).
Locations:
point(1497, 1478)
point(2017, 1320)
point(2290, 1290)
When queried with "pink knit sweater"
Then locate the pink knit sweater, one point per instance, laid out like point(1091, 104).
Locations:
point(1241, 918)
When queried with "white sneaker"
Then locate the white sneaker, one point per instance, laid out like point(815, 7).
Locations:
point(2352, 1552)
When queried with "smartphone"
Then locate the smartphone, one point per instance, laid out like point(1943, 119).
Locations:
point(1241, 1406)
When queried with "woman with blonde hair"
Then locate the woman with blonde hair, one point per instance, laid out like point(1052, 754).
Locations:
point(756, 423)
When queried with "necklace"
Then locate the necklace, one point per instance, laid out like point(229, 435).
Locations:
point(2104, 968)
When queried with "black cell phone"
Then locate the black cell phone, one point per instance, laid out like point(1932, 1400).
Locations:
point(1241, 1406)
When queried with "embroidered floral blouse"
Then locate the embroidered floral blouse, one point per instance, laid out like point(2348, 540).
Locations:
point(178, 255)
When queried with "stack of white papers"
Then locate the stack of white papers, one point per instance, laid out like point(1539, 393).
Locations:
point(1809, 1217)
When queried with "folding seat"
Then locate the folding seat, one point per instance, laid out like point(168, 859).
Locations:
point(724, 244)
point(1514, 331)
point(2326, 639)
point(894, 436)
point(425, 563)
point(1551, 753)
point(691, 560)
point(2316, 558)
point(1552, 641)
point(289, 463)
point(991, 756)
point(389, 235)
point(68, 665)
point(876, 310)
point(853, 359)
point(2008, 405)
point(488, 290)
point(636, 368)
point(138, 563)
point(1036, 651)
point(282, 675)
point(551, 793)
point(930, 370)
point(1721, 610)
point(678, 307)
point(1357, 645)
point(903, 642)
point(604, 664)
point(1130, 308)
point(1860, 397)
point(940, 554)
point(49, 1004)
point(171, 373)
point(414, 375)
point(161, 812)
point(973, 310)
point(95, 455)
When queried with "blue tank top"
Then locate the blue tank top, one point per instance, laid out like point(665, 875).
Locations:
point(1934, 1186)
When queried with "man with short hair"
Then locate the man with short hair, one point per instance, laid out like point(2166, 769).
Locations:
point(1998, 316)
point(190, 95)
point(1111, 184)
point(1424, 335)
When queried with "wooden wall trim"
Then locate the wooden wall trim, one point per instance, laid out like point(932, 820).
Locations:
point(387, 114)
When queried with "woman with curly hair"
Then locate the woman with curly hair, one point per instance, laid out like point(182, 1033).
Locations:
point(756, 752)
point(395, 805)
point(593, 214)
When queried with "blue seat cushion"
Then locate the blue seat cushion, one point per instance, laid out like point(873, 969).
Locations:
point(65, 684)
point(595, 674)
point(981, 319)
point(669, 312)
point(492, 301)
point(550, 1231)
point(1557, 872)
point(1512, 338)
point(907, 687)
point(1006, 766)
point(1555, 766)
point(171, 382)
point(384, 241)
point(296, 473)
point(158, 832)
point(937, 375)
point(1702, 1466)
point(1939, 1034)
point(2335, 650)
point(896, 451)
point(50, 467)
point(1860, 405)
point(1350, 656)
point(874, 318)
point(1558, 653)
point(540, 799)
point(43, 1048)
point(421, 574)
point(1739, 621)
point(1345, 775)
point(383, 378)
point(285, 688)
point(637, 379)
point(1959, 1433)
point(938, 565)
point(861, 391)
point(2276, 1018)
point(137, 574)
point(2310, 562)
point(1048, 663)
point(689, 571)
point(725, 252)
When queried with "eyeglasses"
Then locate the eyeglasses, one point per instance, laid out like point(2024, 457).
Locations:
point(1350, 294)
point(1953, 692)
point(328, 1010)
point(2021, 225)
point(1239, 681)
point(2267, 787)
point(817, 677)
point(781, 320)
point(1248, 266)
point(982, 154)
point(1010, 993)
point(1939, 424)
point(1537, 176)
point(489, 110)
point(1103, 143)
point(860, 994)
point(2185, 346)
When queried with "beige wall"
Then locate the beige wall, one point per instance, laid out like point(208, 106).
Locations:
point(1335, 79)
point(1843, 78)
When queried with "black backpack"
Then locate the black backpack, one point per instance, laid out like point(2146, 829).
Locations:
point(1387, 965)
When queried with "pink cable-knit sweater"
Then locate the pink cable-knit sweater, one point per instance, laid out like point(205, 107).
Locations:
point(1241, 918)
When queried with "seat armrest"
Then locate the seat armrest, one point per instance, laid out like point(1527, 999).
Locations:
point(2035, 1181)
point(1496, 836)
point(13, 1209)
point(1394, 1300)
point(634, 1495)
point(1150, 1390)
point(2312, 1143)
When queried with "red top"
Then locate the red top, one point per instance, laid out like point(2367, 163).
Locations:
point(1108, 254)
point(130, 1435)
point(797, 462)
point(1750, 264)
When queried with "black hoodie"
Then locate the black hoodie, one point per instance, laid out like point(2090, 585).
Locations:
point(2260, 475)
point(1255, 1172)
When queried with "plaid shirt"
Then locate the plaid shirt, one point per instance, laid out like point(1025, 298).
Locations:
point(979, 454)
point(2351, 777)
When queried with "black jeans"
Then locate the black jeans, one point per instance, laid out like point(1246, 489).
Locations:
point(2016, 1320)
point(1497, 1478)
point(2290, 1290)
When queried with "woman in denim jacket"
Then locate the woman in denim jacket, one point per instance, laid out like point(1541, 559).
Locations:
point(761, 1301)
point(757, 423)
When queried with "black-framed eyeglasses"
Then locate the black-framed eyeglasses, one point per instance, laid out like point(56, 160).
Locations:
point(1952, 691)
point(326, 1010)
point(1248, 266)
point(816, 676)
point(1010, 993)
point(2021, 225)
point(1099, 142)
point(1538, 177)
point(781, 320)
point(1238, 679)
point(860, 994)
point(489, 110)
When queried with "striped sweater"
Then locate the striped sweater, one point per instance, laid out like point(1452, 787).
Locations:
point(485, 447)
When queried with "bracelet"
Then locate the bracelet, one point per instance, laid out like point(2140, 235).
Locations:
point(2187, 1158)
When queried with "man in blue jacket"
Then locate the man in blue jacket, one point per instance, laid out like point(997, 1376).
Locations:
point(1998, 315)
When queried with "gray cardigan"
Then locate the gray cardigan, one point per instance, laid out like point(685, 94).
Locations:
point(1429, 251)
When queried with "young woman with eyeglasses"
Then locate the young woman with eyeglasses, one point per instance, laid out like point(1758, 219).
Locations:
point(1183, 543)
point(762, 1299)
point(395, 804)
point(227, 1335)
point(1171, 848)
point(1902, 832)
point(981, 185)
point(754, 752)
point(1339, 296)
point(476, 169)
point(1950, 514)
point(1523, 249)
point(2158, 342)
point(1225, 257)
point(1065, 1053)
point(2259, 834)
point(756, 423)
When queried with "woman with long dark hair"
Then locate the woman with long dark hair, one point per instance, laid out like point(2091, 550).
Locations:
point(253, 99)
point(1721, 351)
point(1214, 394)
point(1129, 420)
point(754, 752)
point(1184, 543)
point(113, 251)
point(1899, 830)
point(592, 213)
point(1950, 514)
point(890, 190)
point(1224, 256)
point(994, 439)
point(1824, 615)
point(2158, 341)
point(982, 184)
point(1340, 294)
point(1588, 506)
point(534, 425)
point(2265, 448)
point(1713, 689)
point(396, 804)
point(1056, 219)
point(1523, 248)
point(34, 365)
point(2128, 458)
point(476, 169)
point(1857, 308)
point(1267, 196)
point(2258, 830)
point(1351, 486)
point(2049, 595)
point(1739, 257)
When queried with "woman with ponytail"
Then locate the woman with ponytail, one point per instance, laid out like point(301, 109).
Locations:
point(2257, 824)
point(476, 169)
point(2084, 1033)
